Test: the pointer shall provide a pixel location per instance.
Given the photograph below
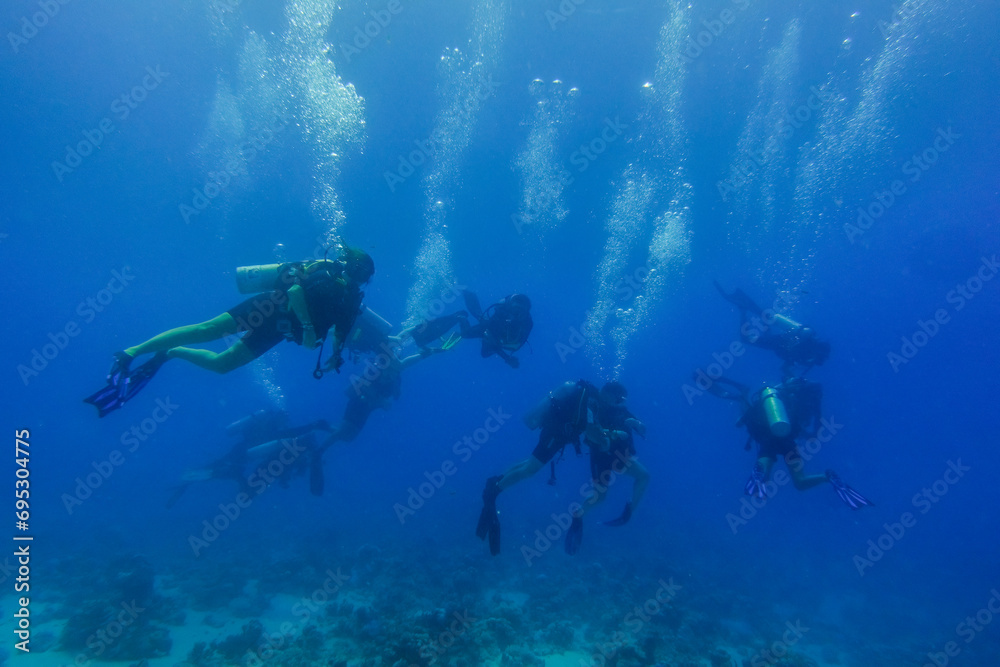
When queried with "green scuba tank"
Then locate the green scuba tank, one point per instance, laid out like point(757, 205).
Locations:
point(774, 409)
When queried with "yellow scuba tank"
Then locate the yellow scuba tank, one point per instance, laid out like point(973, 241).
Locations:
point(774, 410)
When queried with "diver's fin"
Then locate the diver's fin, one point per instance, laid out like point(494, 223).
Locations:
point(316, 480)
point(574, 536)
point(489, 512)
point(176, 493)
point(851, 498)
point(623, 519)
point(110, 398)
point(451, 341)
point(494, 535)
point(141, 376)
point(429, 331)
point(755, 485)
point(472, 304)
point(106, 400)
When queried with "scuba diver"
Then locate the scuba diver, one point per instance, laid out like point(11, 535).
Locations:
point(370, 391)
point(791, 341)
point(504, 327)
point(565, 414)
point(304, 302)
point(613, 453)
point(264, 436)
point(774, 418)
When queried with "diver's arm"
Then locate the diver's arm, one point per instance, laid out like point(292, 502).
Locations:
point(636, 426)
point(414, 358)
point(297, 302)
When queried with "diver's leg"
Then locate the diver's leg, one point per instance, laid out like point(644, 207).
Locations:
point(766, 463)
point(640, 474)
point(203, 332)
point(802, 481)
point(219, 362)
point(519, 472)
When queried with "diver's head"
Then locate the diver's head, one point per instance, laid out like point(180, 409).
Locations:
point(820, 352)
point(614, 392)
point(520, 301)
point(358, 265)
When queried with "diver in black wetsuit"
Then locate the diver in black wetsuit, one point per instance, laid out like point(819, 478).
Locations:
point(775, 417)
point(504, 327)
point(791, 341)
point(566, 413)
point(264, 436)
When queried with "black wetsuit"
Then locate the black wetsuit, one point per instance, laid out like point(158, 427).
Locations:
point(793, 346)
point(567, 417)
point(266, 319)
point(612, 416)
point(504, 327)
point(802, 400)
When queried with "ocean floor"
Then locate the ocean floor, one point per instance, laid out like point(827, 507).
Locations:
point(371, 606)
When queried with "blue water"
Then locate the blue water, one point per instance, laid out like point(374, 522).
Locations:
point(566, 195)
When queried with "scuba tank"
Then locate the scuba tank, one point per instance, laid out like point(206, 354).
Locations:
point(774, 410)
point(265, 277)
point(786, 323)
point(260, 418)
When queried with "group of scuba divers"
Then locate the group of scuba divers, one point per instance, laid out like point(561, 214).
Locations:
point(314, 302)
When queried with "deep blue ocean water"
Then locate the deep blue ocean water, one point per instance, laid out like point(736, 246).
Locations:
point(678, 148)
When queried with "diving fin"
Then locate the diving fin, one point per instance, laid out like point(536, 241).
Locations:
point(623, 519)
point(851, 498)
point(755, 485)
point(488, 515)
point(124, 384)
point(451, 341)
point(574, 536)
point(472, 304)
point(316, 479)
point(494, 535)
